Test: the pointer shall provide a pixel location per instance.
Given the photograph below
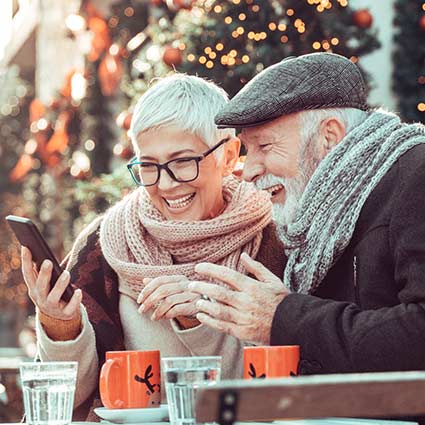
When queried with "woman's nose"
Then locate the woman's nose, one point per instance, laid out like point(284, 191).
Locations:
point(165, 180)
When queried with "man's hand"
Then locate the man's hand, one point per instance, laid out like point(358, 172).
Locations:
point(246, 310)
point(168, 297)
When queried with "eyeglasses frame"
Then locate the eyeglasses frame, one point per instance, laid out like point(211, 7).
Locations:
point(164, 166)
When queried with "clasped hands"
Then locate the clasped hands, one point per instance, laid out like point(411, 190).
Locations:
point(244, 309)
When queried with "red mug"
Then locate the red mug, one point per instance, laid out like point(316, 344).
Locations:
point(270, 361)
point(130, 379)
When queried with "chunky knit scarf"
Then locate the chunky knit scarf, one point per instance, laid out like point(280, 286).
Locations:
point(334, 197)
point(138, 242)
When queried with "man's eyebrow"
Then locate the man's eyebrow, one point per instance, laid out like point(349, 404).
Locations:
point(171, 156)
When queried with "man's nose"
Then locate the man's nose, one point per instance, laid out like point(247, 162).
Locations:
point(165, 180)
point(252, 169)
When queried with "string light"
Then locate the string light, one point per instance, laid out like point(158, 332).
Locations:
point(240, 30)
point(213, 55)
point(290, 12)
point(421, 79)
point(272, 26)
point(228, 20)
point(236, 1)
point(224, 60)
point(326, 45)
point(218, 9)
point(219, 47)
point(191, 57)
point(354, 59)
point(255, 8)
point(245, 58)
point(235, 34)
point(421, 107)
point(208, 50)
point(334, 41)
point(89, 145)
point(242, 16)
point(251, 35)
point(316, 45)
point(202, 60)
point(231, 61)
point(284, 39)
point(209, 64)
point(129, 11)
point(281, 27)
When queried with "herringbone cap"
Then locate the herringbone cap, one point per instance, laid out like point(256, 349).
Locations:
point(313, 81)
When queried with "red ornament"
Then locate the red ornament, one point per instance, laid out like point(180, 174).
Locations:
point(362, 18)
point(175, 5)
point(124, 120)
point(172, 56)
point(123, 151)
point(422, 22)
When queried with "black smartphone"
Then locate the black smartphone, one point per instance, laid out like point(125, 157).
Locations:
point(29, 236)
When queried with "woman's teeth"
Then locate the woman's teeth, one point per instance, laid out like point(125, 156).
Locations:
point(181, 202)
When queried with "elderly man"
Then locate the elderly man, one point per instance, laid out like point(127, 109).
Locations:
point(349, 204)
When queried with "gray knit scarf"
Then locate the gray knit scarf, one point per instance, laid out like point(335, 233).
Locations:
point(332, 201)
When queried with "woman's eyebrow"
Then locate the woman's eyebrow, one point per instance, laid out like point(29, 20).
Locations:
point(172, 155)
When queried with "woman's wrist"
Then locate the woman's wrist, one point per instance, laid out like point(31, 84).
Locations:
point(58, 329)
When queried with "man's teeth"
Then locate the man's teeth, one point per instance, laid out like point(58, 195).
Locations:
point(274, 189)
point(181, 202)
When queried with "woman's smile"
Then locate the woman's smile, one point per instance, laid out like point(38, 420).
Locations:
point(179, 203)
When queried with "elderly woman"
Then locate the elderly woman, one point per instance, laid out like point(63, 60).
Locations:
point(188, 208)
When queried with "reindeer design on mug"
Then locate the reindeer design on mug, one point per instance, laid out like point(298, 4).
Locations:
point(253, 373)
point(153, 390)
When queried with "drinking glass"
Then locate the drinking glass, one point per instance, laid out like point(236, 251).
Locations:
point(182, 377)
point(48, 389)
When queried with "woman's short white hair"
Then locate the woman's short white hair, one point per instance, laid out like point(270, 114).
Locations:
point(183, 101)
point(310, 120)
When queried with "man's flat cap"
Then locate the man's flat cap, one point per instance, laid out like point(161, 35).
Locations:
point(313, 81)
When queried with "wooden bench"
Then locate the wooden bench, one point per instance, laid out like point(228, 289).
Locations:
point(367, 395)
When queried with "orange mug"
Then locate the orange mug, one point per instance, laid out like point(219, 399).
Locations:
point(130, 379)
point(270, 361)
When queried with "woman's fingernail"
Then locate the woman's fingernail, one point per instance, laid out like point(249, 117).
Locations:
point(47, 264)
point(65, 275)
point(142, 308)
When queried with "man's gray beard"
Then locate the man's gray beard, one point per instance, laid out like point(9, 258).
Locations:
point(285, 214)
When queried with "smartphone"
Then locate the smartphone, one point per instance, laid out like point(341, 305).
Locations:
point(29, 236)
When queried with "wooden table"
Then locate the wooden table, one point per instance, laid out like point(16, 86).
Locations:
point(369, 395)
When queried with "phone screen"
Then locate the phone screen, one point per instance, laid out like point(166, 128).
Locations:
point(29, 236)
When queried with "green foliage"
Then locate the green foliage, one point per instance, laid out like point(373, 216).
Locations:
point(409, 58)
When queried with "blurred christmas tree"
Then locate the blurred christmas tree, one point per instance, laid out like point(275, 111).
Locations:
point(231, 41)
point(409, 59)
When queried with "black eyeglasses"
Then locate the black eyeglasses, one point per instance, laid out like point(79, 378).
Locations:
point(181, 170)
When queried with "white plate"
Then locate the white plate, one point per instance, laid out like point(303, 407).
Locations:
point(132, 416)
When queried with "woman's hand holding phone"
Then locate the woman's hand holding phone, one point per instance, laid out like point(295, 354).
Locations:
point(49, 301)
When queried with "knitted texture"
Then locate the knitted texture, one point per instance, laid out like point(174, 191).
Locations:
point(336, 193)
point(138, 242)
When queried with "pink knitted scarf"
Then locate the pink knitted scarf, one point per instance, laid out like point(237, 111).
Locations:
point(138, 242)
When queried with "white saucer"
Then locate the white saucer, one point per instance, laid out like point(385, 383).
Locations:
point(128, 416)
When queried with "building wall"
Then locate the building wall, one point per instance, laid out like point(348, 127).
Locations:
point(379, 63)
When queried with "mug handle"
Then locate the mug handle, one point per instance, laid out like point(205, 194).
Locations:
point(106, 376)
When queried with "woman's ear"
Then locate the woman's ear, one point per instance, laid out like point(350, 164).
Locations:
point(231, 155)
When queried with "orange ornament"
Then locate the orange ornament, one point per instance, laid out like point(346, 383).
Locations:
point(101, 40)
point(422, 22)
point(172, 56)
point(110, 73)
point(22, 168)
point(362, 18)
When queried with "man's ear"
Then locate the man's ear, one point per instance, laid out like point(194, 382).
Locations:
point(231, 155)
point(332, 131)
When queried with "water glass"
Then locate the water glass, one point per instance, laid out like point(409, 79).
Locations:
point(182, 377)
point(48, 389)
